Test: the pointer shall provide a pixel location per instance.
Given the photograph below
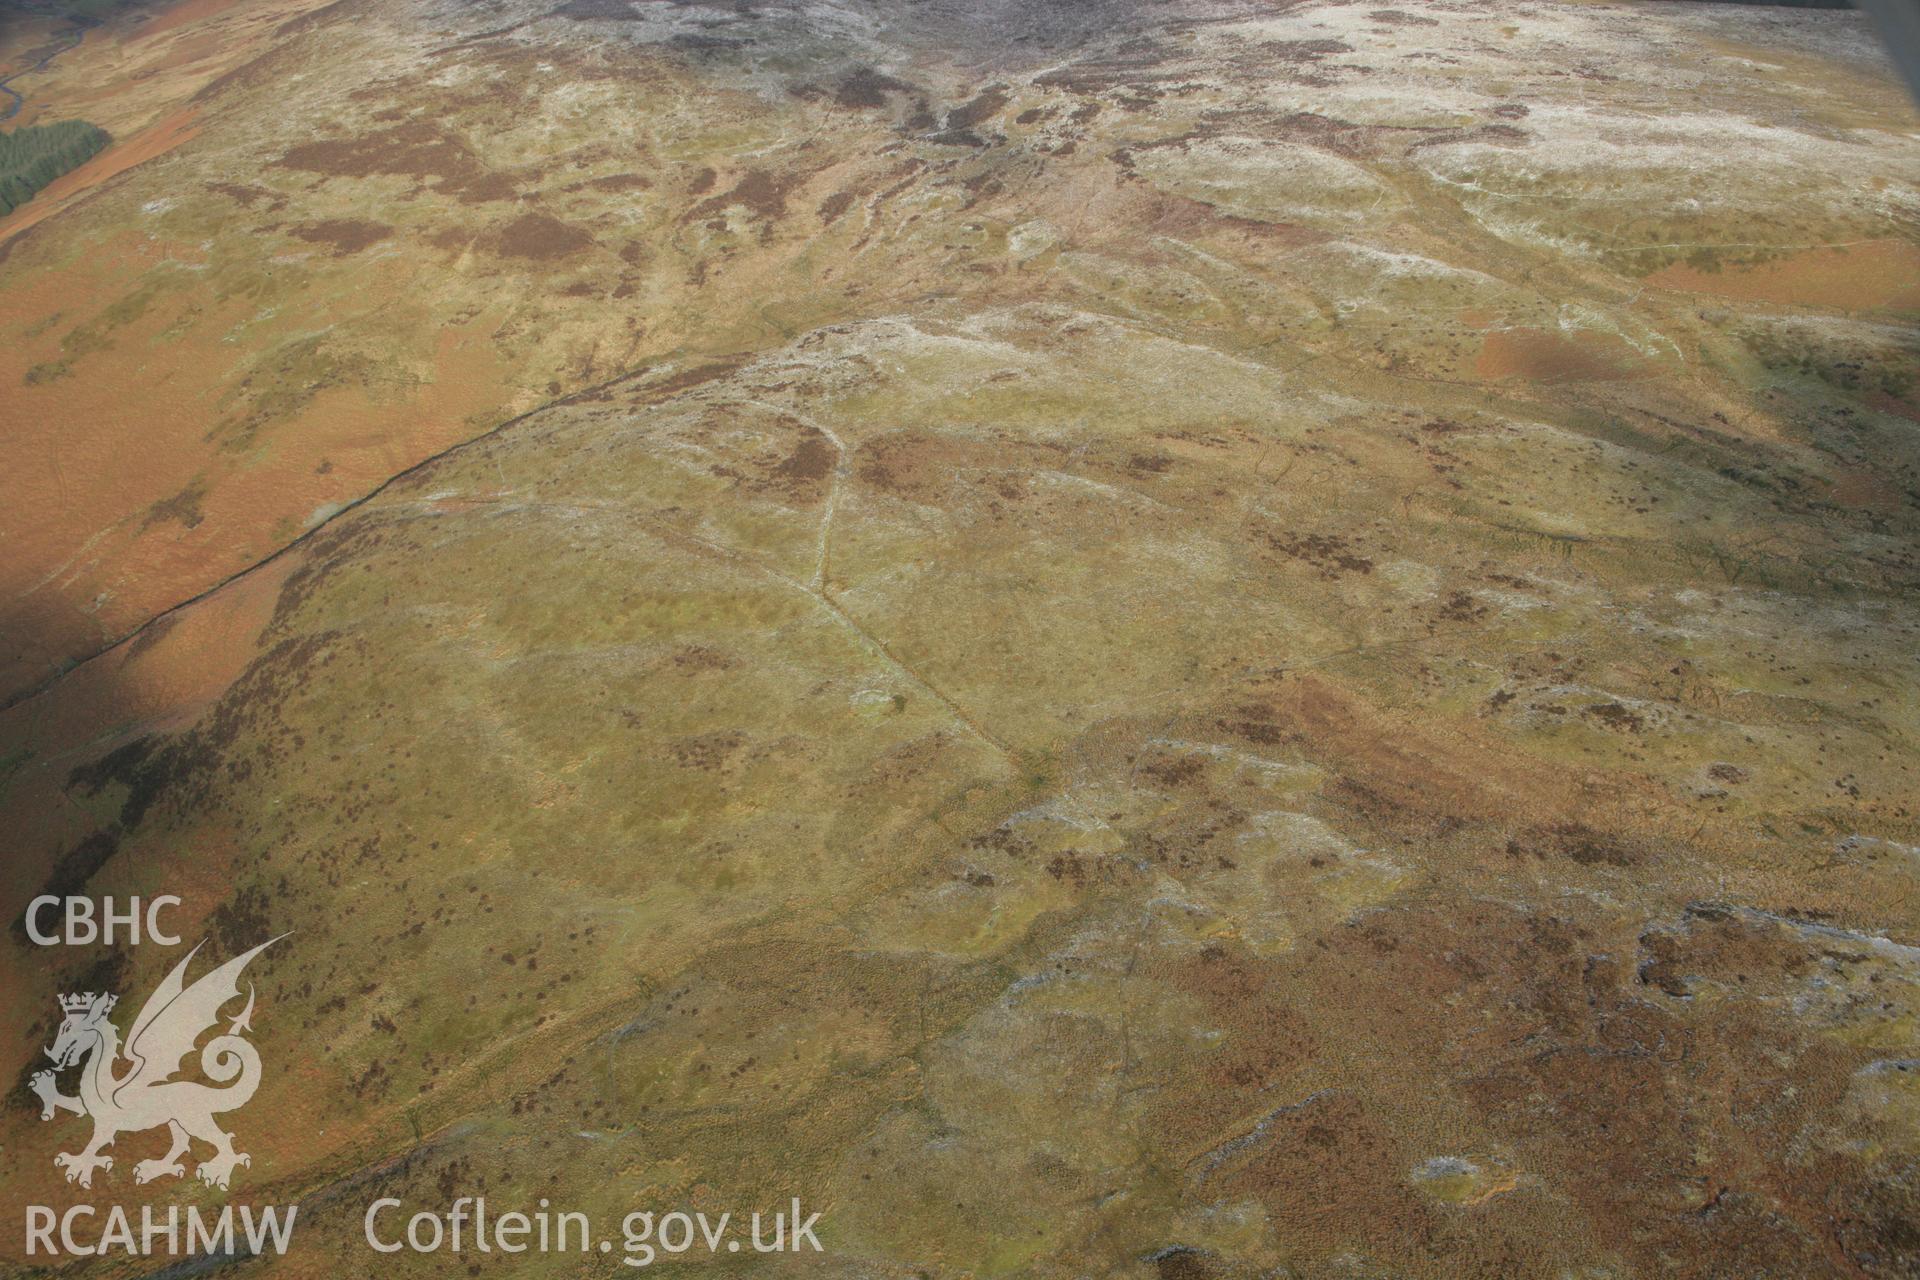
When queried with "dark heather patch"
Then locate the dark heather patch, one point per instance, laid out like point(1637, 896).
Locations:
point(834, 205)
point(185, 507)
point(124, 764)
point(597, 11)
point(248, 196)
point(706, 751)
point(343, 235)
point(865, 89)
point(539, 237)
point(75, 868)
point(619, 182)
point(489, 188)
point(1180, 1262)
point(761, 193)
point(984, 107)
point(1395, 18)
point(1331, 554)
point(148, 768)
point(1616, 716)
point(813, 460)
point(416, 149)
point(687, 379)
point(1575, 842)
point(151, 634)
point(1174, 771)
point(696, 658)
point(241, 922)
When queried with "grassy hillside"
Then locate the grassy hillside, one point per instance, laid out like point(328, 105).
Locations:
point(30, 158)
point(1138, 638)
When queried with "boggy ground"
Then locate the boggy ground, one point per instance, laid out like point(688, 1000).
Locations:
point(1126, 640)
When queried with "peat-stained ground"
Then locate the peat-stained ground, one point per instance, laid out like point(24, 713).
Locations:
point(1158, 640)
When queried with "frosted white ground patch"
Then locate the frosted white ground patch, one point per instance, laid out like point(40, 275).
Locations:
point(1079, 369)
point(1271, 181)
point(1357, 278)
point(1450, 63)
point(1599, 180)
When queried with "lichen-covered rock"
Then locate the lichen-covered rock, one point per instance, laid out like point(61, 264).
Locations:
point(1194, 639)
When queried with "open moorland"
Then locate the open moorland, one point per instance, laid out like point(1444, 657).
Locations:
point(1195, 639)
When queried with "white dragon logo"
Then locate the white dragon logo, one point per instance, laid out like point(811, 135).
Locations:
point(145, 1095)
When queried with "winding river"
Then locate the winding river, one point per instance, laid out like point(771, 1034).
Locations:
point(14, 100)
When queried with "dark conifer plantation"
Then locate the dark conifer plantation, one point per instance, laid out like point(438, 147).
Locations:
point(32, 157)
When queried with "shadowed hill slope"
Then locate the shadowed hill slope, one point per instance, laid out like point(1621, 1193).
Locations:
point(1176, 640)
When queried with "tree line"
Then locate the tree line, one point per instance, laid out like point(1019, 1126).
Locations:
point(32, 157)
